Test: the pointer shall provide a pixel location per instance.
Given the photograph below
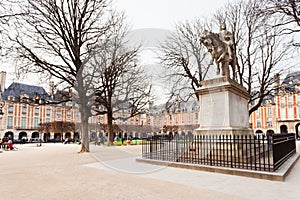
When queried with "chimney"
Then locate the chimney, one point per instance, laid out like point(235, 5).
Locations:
point(2, 80)
point(297, 86)
point(51, 84)
point(277, 82)
point(70, 93)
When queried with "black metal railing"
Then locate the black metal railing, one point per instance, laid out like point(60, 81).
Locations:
point(284, 146)
point(264, 153)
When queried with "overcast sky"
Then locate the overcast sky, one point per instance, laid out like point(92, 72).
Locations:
point(165, 13)
point(155, 14)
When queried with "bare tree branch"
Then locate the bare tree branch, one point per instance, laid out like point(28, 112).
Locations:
point(57, 38)
point(261, 48)
point(185, 60)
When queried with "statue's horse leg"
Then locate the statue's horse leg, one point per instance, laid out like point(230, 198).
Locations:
point(225, 68)
point(233, 71)
point(217, 64)
point(233, 64)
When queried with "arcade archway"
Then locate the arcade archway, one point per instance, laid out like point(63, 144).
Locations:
point(35, 135)
point(68, 135)
point(270, 132)
point(283, 129)
point(76, 136)
point(297, 128)
point(46, 137)
point(57, 136)
point(22, 135)
point(10, 135)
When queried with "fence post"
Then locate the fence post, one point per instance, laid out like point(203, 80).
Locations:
point(269, 148)
point(254, 141)
point(238, 150)
point(230, 139)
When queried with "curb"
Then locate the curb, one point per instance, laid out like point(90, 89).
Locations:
point(279, 175)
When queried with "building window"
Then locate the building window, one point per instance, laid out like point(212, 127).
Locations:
point(36, 122)
point(290, 99)
point(282, 100)
point(11, 98)
point(269, 111)
point(258, 112)
point(10, 109)
point(47, 120)
point(10, 121)
point(36, 111)
point(69, 104)
point(258, 123)
point(24, 110)
point(69, 113)
point(269, 123)
point(23, 122)
point(48, 111)
point(58, 112)
point(283, 113)
point(291, 113)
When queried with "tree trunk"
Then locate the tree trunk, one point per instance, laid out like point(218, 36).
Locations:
point(110, 129)
point(85, 138)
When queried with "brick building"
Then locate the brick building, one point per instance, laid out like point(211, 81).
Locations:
point(23, 112)
point(280, 113)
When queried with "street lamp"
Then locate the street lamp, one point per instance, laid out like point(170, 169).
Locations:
point(2, 103)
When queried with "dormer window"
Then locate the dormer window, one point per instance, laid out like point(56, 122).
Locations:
point(24, 98)
point(11, 98)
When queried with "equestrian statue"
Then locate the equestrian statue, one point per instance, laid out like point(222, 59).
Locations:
point(221, 49)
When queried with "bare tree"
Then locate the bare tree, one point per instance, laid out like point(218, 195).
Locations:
point(288, 13)
point(56, 40)
point(287, 10)
point(7, 12)
point(185, 60)
point(123, 84)
point(260, 50)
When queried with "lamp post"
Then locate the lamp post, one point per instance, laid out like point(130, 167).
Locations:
point(2, 103)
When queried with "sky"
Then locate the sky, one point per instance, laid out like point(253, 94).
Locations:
point(162, 14)
point(165, 13)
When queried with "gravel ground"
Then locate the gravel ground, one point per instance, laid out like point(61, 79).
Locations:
point(57, 171)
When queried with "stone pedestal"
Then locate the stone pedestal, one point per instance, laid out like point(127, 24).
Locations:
point(223, 108)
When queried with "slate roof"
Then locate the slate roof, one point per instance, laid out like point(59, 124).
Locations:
point(290, 81)
point(18, 89)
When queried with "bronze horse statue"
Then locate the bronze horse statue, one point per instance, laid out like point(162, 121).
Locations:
point(219, 53)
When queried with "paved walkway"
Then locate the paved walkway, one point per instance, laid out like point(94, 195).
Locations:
point(57, 171)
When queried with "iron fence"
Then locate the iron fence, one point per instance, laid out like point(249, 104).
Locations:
point(264, 153)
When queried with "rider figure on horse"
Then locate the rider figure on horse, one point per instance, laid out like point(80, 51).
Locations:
point(227, 38)
point(221, 47)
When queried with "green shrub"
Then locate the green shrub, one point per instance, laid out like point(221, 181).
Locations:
point(117, 143)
